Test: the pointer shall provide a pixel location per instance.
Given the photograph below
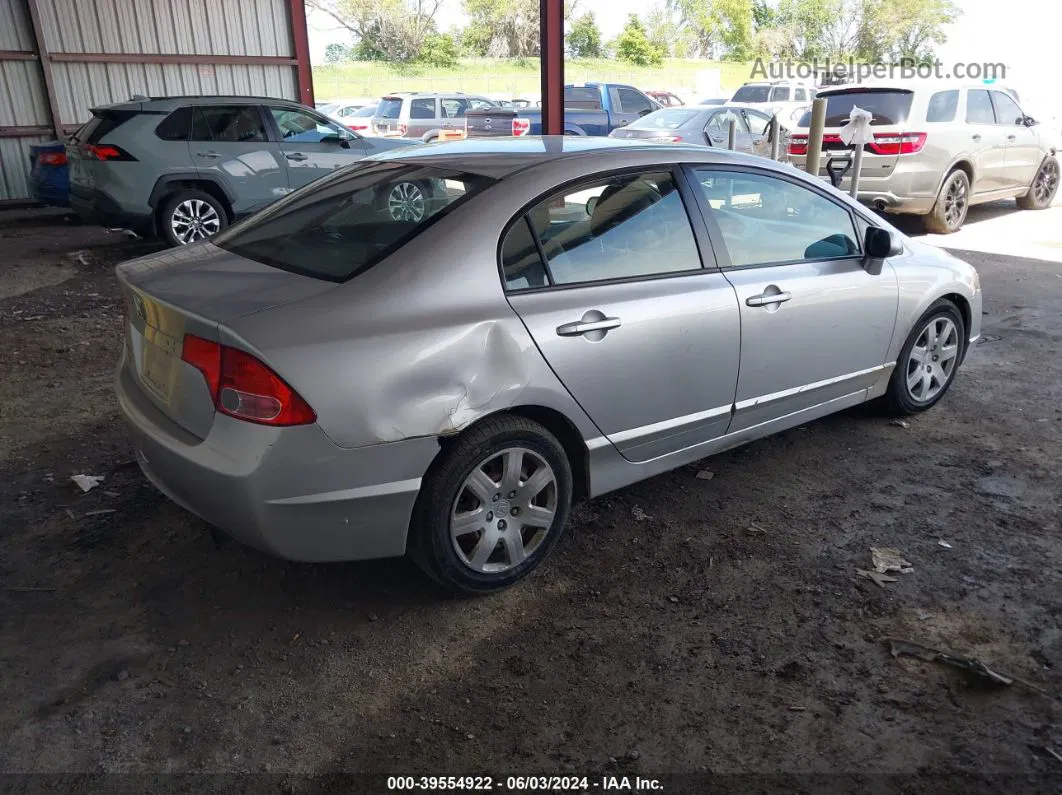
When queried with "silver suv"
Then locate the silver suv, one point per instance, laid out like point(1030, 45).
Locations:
point(425, 115)
point(184, 168)
point(938, 148)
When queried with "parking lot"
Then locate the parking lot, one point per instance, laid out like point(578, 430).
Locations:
point(684, 625)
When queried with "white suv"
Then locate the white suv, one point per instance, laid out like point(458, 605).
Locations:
point(785, 99)
point(938, 148)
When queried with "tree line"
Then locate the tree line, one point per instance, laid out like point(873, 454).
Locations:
point(871, 31)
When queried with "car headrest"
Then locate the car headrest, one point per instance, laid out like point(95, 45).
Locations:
point(619, 203)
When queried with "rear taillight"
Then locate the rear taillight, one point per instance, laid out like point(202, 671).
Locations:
point(893, 144)
point(521, 126)
point(798, 144)
point(666, 139)
point(52, 158)
point(104, 152)
point(402, 128)
point(243, 387)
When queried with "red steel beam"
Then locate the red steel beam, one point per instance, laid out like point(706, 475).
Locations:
point(551, 59)
point(170, 58)
point(46, 67)
point(300, 40)
point(17, 55)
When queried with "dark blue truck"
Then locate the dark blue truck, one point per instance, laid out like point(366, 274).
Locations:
point(589, 109)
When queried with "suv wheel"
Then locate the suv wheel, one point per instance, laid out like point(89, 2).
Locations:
point(1043, 189)
point(953, 201)
point(191, 216)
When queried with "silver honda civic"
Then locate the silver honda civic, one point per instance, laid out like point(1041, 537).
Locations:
point(434, 352)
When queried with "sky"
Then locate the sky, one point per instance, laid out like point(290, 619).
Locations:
point(1023, 34)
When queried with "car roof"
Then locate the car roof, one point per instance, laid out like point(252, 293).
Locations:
point(917, 86)
point(141, 103)
point(501, 158)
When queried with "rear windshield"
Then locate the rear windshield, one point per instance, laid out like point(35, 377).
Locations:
point(886, 106)
point(346, 222)
point(102, 123)
point(368, 110)
point(664, 120)
point(752, 94)
point(389, 108)
point(582, 98)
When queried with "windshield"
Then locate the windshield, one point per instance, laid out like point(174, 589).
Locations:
point(390, 108)
point(886, 106)
point(663, 120)
point(346, 222)
point(752, 94)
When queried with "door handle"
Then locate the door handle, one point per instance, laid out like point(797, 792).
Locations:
point(296, 156)
point(1012, 137)
point(977, 136)
point(209, 155)
point(765, 299)
point(582, 327)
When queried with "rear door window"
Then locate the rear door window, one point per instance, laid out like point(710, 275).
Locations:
point(582, 98)
point(942, 106)
point(228, 124)
point(886, 106)
point(344, 223)
point(453, 108)
point(979, 107)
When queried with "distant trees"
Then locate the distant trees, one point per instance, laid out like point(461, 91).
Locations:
point(584, 38)
point(633, 44)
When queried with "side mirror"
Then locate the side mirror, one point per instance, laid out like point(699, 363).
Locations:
point(878, 245)
point(1028, 121)
point(591, 205)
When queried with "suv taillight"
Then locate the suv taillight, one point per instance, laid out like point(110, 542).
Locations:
point(402, 128)
point(798, 144)
point(104, 152)
point(521, 126)
point(243, 387)
point(893, 144)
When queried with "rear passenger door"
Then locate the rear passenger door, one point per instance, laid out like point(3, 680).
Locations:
point(230, 145)
point(423, 117)
point(452, 113)
point(311, 144)
point(641, 330)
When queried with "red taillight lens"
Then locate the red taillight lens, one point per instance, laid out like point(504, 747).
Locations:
point(798, 144)
point(243, 387)
point(52, 158)
point(105, 152)
point(897, 144)
point(402, 129)
point(521, 126)
point(667, 139)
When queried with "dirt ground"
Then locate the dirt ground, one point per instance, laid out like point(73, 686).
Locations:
point(726, 634)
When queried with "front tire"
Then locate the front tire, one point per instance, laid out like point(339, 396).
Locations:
point(190, 216)
point(492, 507)
point(1043, 189)
point(928, 361)
point(953, 201)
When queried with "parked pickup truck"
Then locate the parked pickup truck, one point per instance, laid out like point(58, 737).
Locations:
point(589, 109)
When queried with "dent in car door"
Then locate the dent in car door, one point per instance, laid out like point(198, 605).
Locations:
point(650, 352)
point(816, 327)
point(229, 143)
point(312, 145)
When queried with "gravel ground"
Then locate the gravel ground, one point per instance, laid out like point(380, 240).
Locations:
point(723, 631)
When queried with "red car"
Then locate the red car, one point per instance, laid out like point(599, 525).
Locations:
point(665, 98)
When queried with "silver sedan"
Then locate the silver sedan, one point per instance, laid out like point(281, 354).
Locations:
point(435, 351)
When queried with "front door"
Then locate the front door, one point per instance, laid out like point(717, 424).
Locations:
point(643, 336)
point(815, 326)
point(628, 105)
point(311, 144)
point(1023, 155)
point(987, 142)
point(229, 144)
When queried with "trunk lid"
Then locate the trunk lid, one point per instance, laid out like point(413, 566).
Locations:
point(489, 123)
point(193, 291)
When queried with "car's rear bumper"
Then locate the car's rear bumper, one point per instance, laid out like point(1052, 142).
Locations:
point(97, 207)
point(289, 492)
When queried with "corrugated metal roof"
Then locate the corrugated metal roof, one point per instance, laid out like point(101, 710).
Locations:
point(184, 27)
point(15, 166)
point(15, 30)
point(22, 99)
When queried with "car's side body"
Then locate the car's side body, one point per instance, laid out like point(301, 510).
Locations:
point(949, 127)
point(709, 126)
point(425, 115)
point(426, 362)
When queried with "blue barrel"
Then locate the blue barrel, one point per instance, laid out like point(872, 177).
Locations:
point(49, 173)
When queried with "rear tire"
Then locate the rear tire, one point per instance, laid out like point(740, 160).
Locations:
point(190, 216)
point(953, 201)
point(929, 360)
point(405, 201)
point(1044, 187)
point(492, 507)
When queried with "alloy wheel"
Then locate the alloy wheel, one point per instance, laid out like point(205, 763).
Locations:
point(1046, 182)
point(194, 219)
point(504, 510)
point(933, 359)
point(405, 202)
point(955, 203)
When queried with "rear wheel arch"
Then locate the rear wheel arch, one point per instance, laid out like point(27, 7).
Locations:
point(961, 164)
point(166, 187)
point(557, 424)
